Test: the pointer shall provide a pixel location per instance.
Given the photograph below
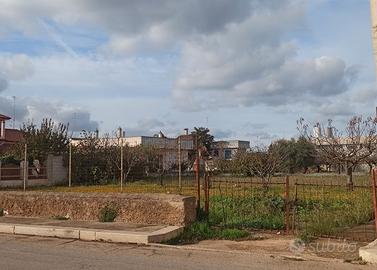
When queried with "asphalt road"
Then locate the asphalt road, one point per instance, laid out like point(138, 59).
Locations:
point(35, 253)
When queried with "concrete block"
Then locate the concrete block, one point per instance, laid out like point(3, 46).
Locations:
point(165, 234)
point(47, 231)
point(369, 252)
point(87, 235)
point(121, 237)
point(7, 228)
point(69, 233)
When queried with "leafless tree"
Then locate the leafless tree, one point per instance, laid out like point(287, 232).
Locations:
point(356, 144)
point(263, 162)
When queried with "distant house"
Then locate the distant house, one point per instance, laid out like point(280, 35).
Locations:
point(228, 149)
point(168, 148)
point(8, 136)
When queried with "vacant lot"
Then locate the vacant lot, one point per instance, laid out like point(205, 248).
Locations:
point(319, 204)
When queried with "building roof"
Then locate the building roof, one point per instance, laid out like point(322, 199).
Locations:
point(4, 117)
point(13, 135)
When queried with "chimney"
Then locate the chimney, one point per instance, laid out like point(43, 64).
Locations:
point(187, 132)
point(119, 132)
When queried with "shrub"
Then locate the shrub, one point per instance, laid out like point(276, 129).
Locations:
point(108, 214)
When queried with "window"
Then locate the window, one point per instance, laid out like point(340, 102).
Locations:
point(228, 154)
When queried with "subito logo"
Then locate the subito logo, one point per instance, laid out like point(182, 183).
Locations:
point(297, 246)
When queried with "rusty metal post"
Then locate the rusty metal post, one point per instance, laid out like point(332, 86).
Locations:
point(179, 164)
point(206, 193)
point(197, 174)
point(287, 207)
point(374, 192)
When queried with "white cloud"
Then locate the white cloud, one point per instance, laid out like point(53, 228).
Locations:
point(14, 68)
point(252, 62)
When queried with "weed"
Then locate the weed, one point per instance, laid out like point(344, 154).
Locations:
point(108, 213)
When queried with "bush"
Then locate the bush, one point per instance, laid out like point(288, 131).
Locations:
point(108, 214)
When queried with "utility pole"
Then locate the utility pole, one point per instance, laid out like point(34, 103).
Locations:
point(120, 140)
point(179, 165)
point(70, 164)
point(25, 167)
point(197, 174)
point(121, 166)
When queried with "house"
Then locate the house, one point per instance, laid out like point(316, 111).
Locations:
point(8, 136)
point(168, 148)
point(228, 149)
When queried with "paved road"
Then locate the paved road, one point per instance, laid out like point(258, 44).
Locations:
point(33, 253)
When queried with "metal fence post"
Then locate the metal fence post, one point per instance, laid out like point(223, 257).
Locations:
point(287, 206)
point(25, 167)
point(121, 166)
point(197, 175)
point(70, 165)
point(374, 192)
point(179, 165)
point(206, 193)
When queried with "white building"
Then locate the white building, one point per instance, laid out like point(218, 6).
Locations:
point(169, 148)
point(228, 149)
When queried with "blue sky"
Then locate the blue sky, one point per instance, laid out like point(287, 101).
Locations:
point(247, 69)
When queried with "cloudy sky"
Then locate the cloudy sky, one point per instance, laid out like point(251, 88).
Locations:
point(247, 69)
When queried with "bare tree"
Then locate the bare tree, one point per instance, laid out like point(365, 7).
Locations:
point(356, 144)
point(263, 162)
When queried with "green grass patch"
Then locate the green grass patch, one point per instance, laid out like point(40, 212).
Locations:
point(202, 230)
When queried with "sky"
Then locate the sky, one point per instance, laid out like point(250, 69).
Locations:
point(246, 69)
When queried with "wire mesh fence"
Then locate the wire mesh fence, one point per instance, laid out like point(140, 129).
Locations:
point(325, 206)
point(306, 205)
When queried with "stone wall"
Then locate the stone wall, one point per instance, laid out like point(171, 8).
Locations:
point(133, 208)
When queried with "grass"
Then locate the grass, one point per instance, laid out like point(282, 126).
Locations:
point(202, 230)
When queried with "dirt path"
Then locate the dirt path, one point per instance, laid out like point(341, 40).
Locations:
point(281, 245)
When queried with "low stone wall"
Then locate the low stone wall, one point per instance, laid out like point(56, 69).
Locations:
point(133, 208)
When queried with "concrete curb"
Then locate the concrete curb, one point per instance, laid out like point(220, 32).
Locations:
point(369, 252)
point(92, 234)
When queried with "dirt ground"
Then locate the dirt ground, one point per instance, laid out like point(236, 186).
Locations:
point(289, 246)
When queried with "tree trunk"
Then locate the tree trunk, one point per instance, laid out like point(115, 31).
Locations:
point(349, 178)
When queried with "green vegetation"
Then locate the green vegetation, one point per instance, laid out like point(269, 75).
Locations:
point(47, 138)
point(108, 214)
point(259, 210)
point(205, 139)
point(202, 230)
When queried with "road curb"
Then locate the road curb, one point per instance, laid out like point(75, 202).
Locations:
point(85, 234)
